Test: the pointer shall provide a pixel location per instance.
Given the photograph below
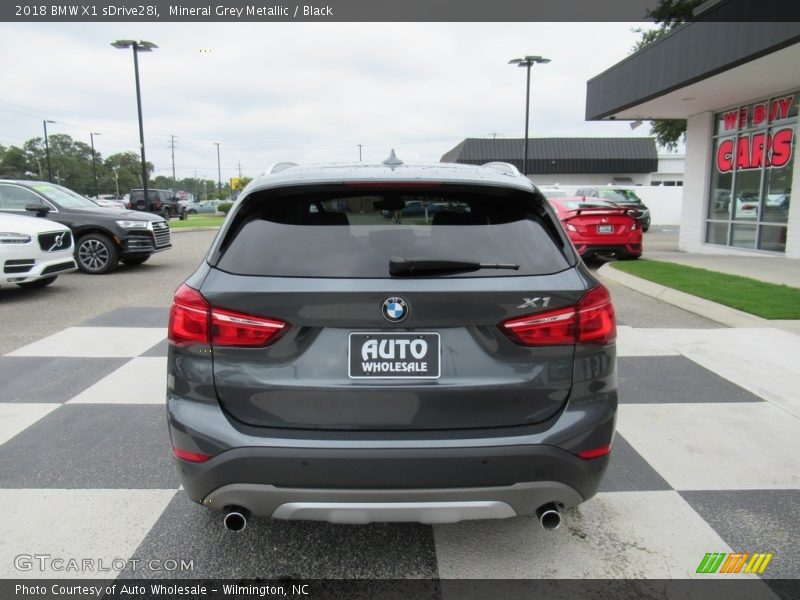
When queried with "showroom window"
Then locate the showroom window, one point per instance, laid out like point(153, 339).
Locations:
point(751, 179)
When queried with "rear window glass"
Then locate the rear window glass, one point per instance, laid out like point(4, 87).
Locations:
point(356, 233)
point(620, 196)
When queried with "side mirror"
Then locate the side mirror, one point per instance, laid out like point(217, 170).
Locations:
point(41, 210)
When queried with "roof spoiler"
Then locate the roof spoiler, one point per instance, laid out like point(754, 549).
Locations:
point(278, 167)
point(504, 168)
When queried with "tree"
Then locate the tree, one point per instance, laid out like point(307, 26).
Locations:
point(14, 164)
point(669, 14)
point(126, 168)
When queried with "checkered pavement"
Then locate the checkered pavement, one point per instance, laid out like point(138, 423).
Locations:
point(705, 460)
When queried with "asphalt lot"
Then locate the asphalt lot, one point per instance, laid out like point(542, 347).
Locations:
point(704, 459)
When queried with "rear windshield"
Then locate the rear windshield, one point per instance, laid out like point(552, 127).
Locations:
point(625, 196)
point(354, 233)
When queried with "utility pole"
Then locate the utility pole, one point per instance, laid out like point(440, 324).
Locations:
point(240, 169)
point(172, 143)
point(94, 164)
point(219, 172)
point(47, 150)
point(359, 152)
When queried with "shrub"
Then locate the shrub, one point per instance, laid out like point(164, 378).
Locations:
point(224, 207)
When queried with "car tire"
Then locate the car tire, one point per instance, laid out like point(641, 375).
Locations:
point(165, 213)
point(184, 215)
point(192, 212)
point(96, 254)
point(138, 260)
point(39, 283)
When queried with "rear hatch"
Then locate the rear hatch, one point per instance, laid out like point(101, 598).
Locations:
point(332, 309)
point(603, 223)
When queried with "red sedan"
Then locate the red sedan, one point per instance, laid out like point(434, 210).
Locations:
point(599, 227)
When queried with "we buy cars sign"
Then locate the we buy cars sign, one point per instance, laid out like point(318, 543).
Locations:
point(754, 150)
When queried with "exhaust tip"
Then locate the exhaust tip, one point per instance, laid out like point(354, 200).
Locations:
point(549, 517)
point(236, 519)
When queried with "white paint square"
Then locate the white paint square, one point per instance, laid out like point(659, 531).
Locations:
point(612, 536)
point(732, 446)
point(103, 525)
point(95, 342)
point(17, 417)
point(141, 380)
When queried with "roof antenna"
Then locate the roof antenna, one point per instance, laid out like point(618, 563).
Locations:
point(392, 160)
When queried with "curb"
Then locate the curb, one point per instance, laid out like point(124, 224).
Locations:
point(694, 304)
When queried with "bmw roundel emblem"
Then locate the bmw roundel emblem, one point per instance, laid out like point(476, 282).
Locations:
point(394, 310)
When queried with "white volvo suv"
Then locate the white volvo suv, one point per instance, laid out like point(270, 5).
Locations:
point(33, 251)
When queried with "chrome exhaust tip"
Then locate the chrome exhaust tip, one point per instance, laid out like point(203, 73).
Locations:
point(549, 517)
point(236, 518)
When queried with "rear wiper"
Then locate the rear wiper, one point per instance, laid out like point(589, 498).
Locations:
point(412, 266)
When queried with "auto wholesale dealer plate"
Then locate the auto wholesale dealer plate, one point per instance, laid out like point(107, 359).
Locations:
point(381, 355)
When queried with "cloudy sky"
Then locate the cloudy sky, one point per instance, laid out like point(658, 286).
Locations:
point(303, 92)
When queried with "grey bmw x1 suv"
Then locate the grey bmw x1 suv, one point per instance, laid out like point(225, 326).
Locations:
point(391, 342)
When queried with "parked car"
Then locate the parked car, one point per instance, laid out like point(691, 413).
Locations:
point(552, 191)
point(328, 364)
point(109, 201)
point(599, 227)
point(33, 252)
point(160, 202)
point(204, 207)
point(103, 236)
point(624, 197)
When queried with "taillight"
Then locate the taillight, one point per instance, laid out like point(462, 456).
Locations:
point(594, 452)
point(192, 320)
point(188, 317)
point(195, 457)
point(596, 322)
point(235, 329)
point(590, 322)
point(552, 328)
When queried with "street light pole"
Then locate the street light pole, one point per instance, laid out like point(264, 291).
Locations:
point(219, 172)
point(94, 165)
point(47, 151)
point(527, 62)
point(141, 46)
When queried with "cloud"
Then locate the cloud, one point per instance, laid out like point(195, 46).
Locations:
point(302, 91)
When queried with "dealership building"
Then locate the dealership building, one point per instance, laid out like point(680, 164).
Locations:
point(738, 86)
point(567, 161)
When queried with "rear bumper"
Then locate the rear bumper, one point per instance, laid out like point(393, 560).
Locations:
point(587, 249)
point(406, 472)
point(438, 481)
point(359, 506)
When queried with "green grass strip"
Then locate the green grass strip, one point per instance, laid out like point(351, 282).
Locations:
point(767, 300)
point(197, 221)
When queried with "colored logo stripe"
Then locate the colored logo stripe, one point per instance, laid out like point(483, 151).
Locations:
point(758, 563)
point(714, 562)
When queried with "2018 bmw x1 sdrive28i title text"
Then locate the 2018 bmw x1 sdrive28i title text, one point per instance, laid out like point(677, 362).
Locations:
point(329, 363)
